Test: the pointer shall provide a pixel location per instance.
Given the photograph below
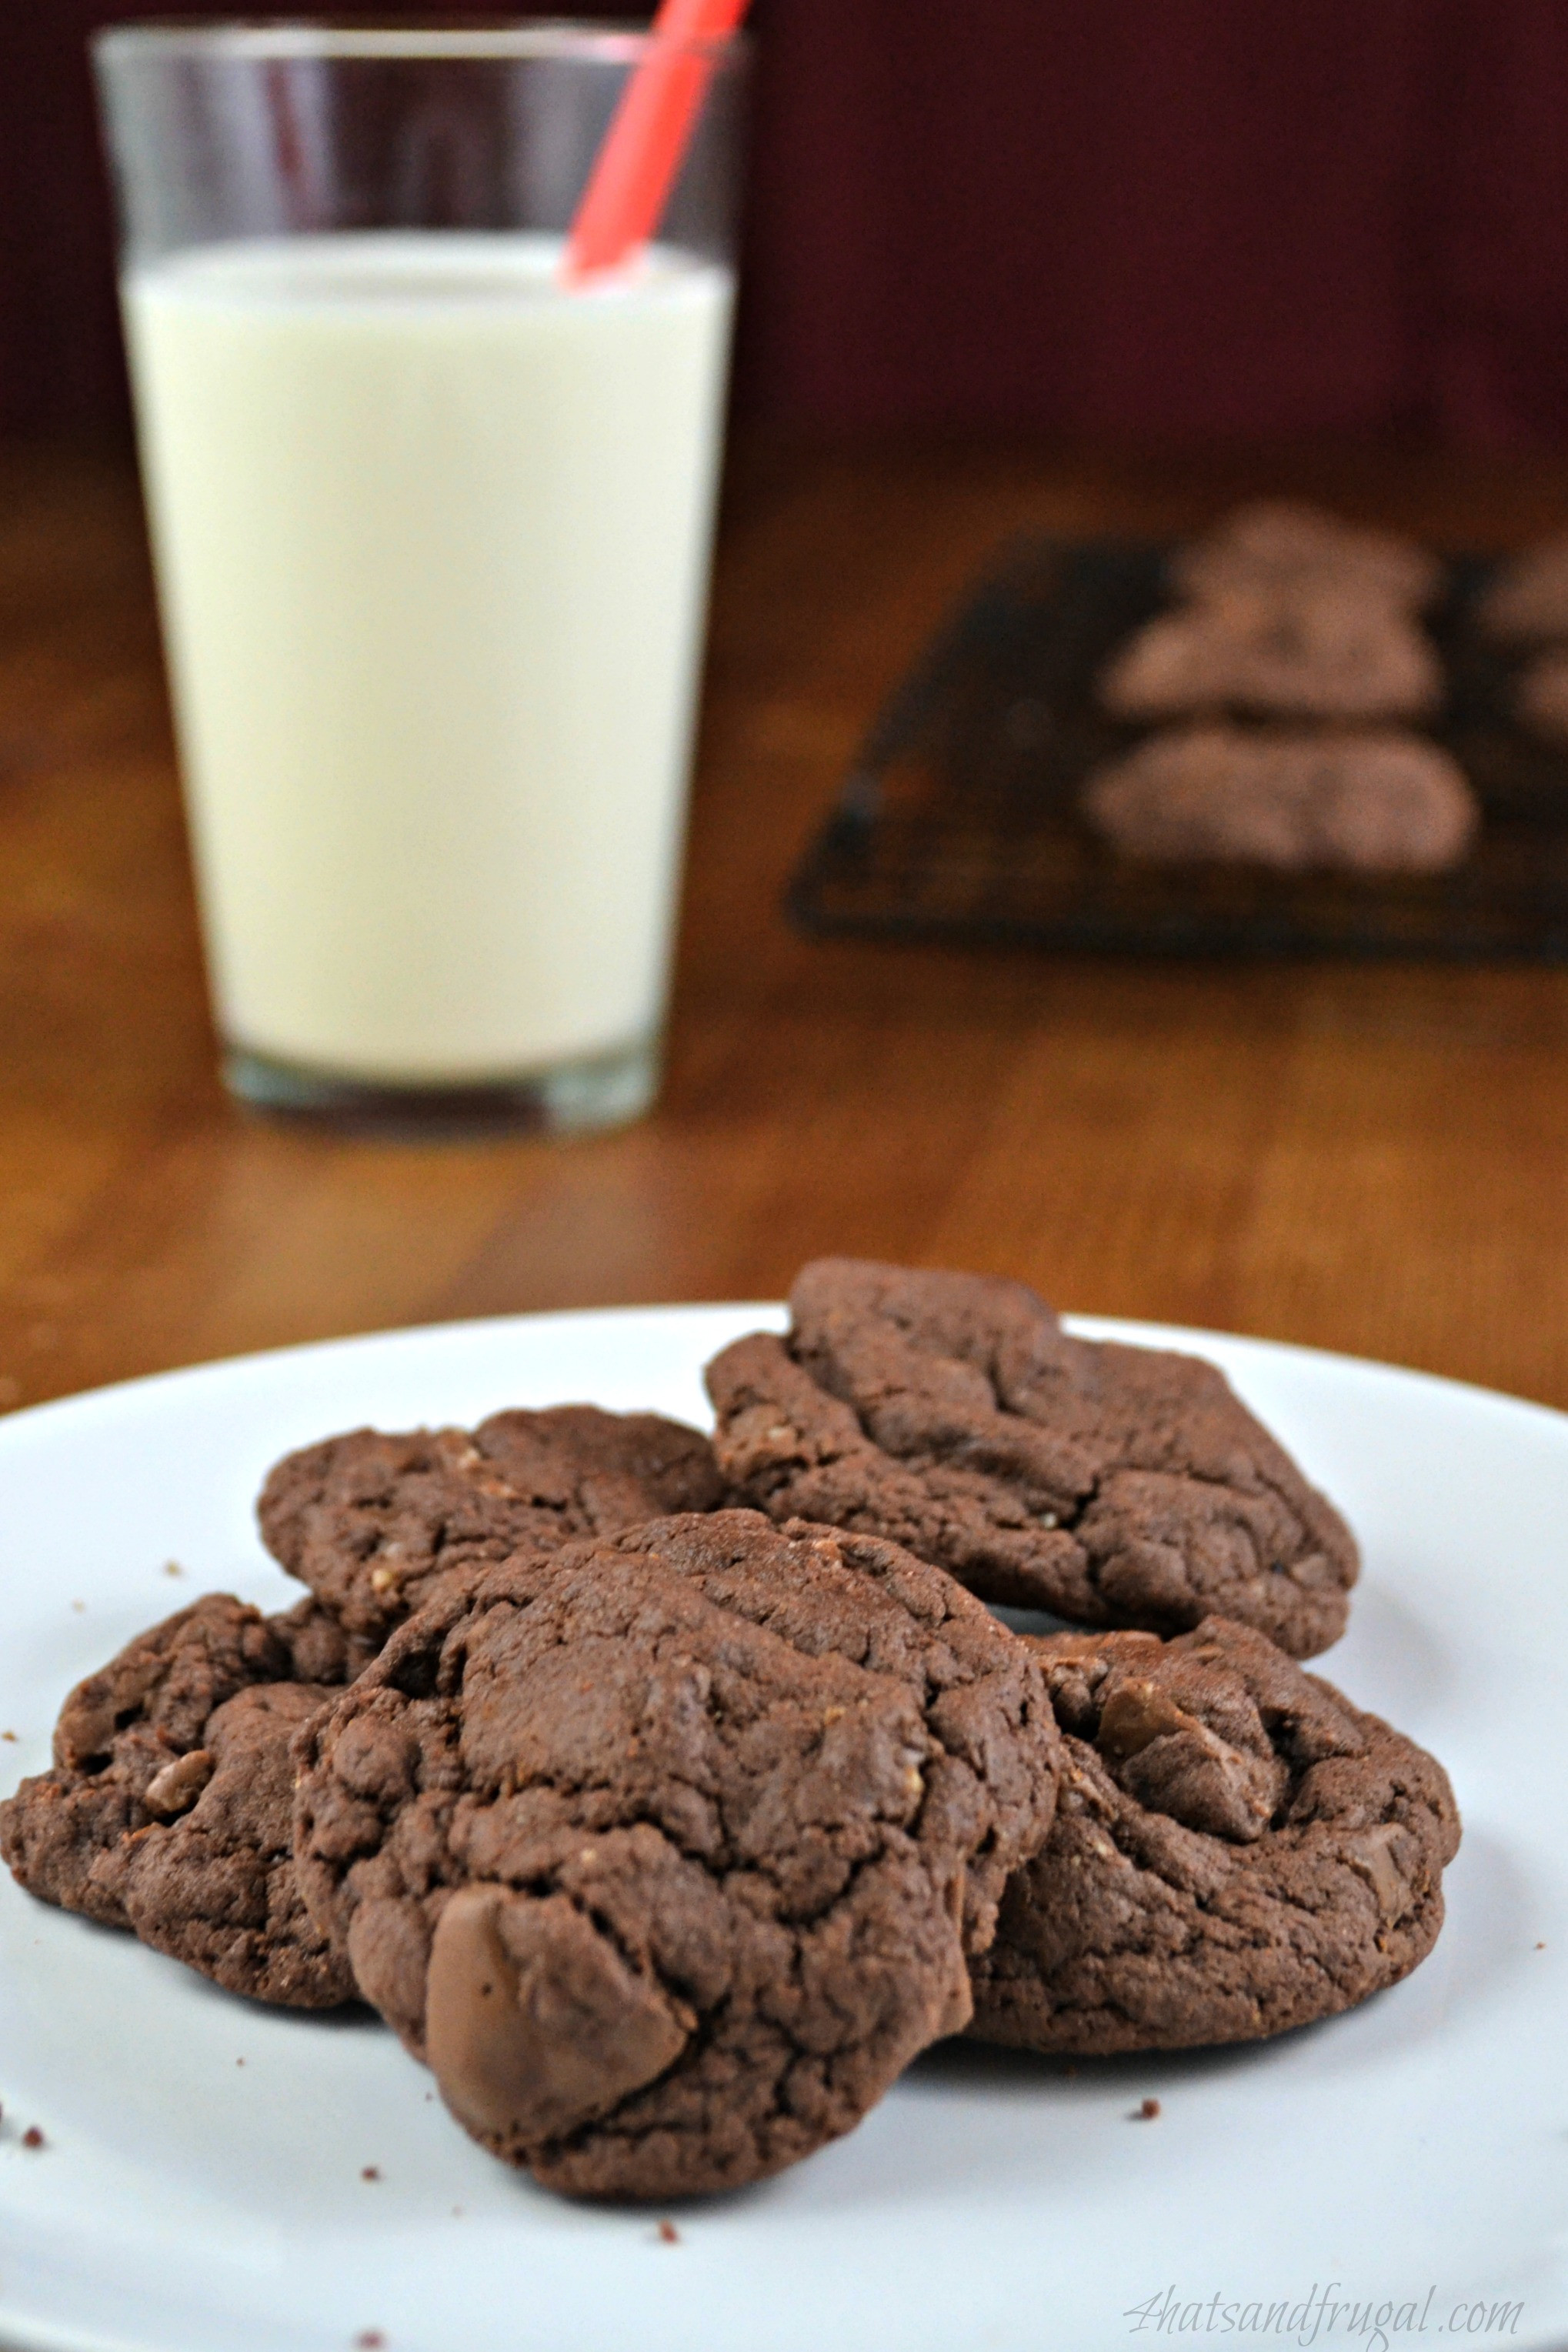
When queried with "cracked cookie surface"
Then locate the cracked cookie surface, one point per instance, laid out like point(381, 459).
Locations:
point(371, 1521)
point(1113, 1486)
point(169, 1806)
point(1236, 1850)
point(666, 1852)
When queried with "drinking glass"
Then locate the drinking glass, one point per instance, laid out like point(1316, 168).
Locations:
point(431, 528)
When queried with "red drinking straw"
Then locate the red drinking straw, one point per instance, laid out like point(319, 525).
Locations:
point(644, 146)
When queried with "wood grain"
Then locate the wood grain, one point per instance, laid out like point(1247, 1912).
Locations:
point(1368, 1158)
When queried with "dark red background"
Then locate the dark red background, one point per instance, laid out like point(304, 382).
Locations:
point(1156, 217)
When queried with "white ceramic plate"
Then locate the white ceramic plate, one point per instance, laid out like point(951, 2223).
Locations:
point(1407, 2164)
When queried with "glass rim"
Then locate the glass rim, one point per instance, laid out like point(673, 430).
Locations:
point(398, 37)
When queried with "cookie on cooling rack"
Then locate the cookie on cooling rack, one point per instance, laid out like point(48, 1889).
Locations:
point(1526, 601)
point(1277, 545)
point(1541, 697)
point(1297, 803)
point(1327, 655)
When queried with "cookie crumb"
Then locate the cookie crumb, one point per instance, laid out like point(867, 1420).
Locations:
point(173, 1568)
point(1147, 2112)
point(1540, 1947)
point(239, 2062)
point(32, 2137)
point(79, 1606)
point(368, 2339)
point(669, 2235)
point(7, 1735)
point(369, 2172)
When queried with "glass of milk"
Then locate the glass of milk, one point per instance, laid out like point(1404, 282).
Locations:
point(431, 530)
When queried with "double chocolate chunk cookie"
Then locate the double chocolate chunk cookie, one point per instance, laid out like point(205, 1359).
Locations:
point(372, 1522)
point(1323, 655)
point(1382, 802)
point(1237, 1850)
point(952, 1414)
point(1526, 601)
point(1278, 546)
point(169, 1807)
point(667, 1854)
point(1541, 697)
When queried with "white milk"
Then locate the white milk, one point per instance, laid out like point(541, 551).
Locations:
point(432, 540)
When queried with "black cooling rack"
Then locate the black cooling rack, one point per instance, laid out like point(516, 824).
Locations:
point(960, 817)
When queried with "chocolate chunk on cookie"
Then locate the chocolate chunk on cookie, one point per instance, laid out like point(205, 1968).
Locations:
point(1279, 545)
point(169, 1807)
point(1237, 1850)
point(952, 1414)
point(372, 1522)
point(1326, 654)
point(1381, 803)
point(666, 1852)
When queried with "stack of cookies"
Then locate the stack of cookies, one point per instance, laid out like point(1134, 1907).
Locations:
point(1526, 608)
point(668, 1796)
point(1288, 662)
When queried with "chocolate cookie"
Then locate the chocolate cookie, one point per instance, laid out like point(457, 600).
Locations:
point(1237, 1850)
point(1363, 804)
point(1541, 697)
point(1319, 656)
point(952, 1414)
point(372, 1522)
point(169, 1807)
point(666, 1852)
point(1277, 544)
point(1527, 600)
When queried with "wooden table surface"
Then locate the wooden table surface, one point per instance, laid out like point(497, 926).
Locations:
point(1361, 1158)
